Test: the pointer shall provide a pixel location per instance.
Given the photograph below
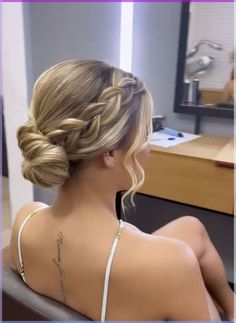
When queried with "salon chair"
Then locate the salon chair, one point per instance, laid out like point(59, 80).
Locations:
point(21, 303)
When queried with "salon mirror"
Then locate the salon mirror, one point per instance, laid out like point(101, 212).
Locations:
point(205, 68)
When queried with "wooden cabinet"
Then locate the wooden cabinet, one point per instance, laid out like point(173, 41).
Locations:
point(195, 173)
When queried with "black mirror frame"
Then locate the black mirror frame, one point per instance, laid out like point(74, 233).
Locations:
point(179, 107)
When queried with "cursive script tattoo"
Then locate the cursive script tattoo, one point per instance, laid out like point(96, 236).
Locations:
point(57, 262)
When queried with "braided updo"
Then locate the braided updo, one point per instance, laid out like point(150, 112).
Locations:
point(80, 110)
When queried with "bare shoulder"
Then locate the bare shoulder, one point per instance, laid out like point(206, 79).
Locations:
point(22, 213)
point(167, 276)
point(25, 210)
point(20, 216)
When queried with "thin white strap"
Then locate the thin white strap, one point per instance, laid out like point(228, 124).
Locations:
point(22, 272)
point(108, 269)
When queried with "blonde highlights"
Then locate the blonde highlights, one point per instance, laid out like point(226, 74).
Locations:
point(80, 110)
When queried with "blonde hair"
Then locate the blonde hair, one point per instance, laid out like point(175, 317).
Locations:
point(80, 110)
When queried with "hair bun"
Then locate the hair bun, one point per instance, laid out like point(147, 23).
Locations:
point(44, 164)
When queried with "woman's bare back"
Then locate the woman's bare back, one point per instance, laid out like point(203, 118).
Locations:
point(65, 259)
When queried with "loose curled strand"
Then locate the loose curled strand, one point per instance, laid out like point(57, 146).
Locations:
point(141, 141)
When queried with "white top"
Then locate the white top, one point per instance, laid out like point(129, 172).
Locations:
point(108, 266)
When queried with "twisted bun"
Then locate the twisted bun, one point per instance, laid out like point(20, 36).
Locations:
point(44, 164)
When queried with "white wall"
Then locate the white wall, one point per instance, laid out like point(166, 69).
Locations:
point(15, 100)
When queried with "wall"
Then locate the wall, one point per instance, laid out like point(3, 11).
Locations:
point(60, 31)
point(156, 40)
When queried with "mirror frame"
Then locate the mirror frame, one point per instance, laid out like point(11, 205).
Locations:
point(179, 107)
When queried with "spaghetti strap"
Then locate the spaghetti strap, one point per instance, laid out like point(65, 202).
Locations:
point(22, 272)
point(108, 269)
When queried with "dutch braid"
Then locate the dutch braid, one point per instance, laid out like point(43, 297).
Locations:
point(80, 133)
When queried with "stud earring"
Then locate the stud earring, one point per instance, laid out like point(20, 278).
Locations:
point(108, 163)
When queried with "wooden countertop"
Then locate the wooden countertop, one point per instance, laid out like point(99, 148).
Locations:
point(204, 147)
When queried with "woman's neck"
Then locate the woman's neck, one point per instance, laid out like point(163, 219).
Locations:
point(80, 195)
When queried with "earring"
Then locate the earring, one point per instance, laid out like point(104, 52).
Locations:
point(108, 162)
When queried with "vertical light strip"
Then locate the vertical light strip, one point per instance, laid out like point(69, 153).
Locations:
point(126, 36)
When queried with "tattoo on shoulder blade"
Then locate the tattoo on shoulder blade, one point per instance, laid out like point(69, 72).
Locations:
point(57, 261)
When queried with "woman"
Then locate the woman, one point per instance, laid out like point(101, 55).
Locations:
point(88, 134)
